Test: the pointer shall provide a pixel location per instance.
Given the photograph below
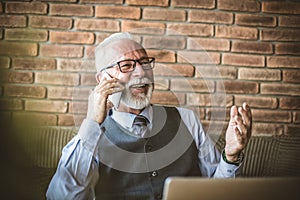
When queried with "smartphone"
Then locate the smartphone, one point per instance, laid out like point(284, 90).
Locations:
point(115, 98)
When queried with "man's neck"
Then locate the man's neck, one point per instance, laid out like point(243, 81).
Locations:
point(123, 108)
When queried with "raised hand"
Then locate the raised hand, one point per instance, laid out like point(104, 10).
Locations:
point(98, 103)
point(238, 132)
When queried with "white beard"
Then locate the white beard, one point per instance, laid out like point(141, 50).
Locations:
point(137, 102)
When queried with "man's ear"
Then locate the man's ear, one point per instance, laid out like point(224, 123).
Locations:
point(98, 77)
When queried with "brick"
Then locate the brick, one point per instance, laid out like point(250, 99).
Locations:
point(243, 60)
point(167, 98)
point(63, 37)
point(18, 49)
point(88, 79)
point(76, 65)
point(220, 114)
point(89, 51)
point(280, 35)
point(162, 55)
point(123, 12)
point(50, 22)
point(11, 104)
point(78, 107)
point(58, 92)
point(66, 120)
point(208, 44)
point(216, 72)
point(33, 63)
point(257, 101)
point(101, 1)
point(162, 84)
point(219, 100)
point(69, 51)
point(174, 70)
point(274, 115)
point(193, 3)
point(100, 37)
point(292, 130)
point(4, 62)
point(198, 57)
point(213, 17)
point(238, 5)
point(238, 87)
point(296, 118)
point(35, 119)
point(255, 20)
point(165, 42)
point(252, 47)
point(193, 85)
point(56, 78)
point(289, 103)
point(69, 1)
point(71, 10)
point(283, 48)
point(190, 29)
point(235, 32)
point(162, 3)
point(24, 91)
point(26, 7)
point(281, 7)
point(46, 106)
point(283, 62)
point(12, 21)
point(289, 21)
point(163, 14)
point(141, 27)
point(259, 74)
point(280, 89)
point(16, 77)
point(212, 127)
point(267, 129)
point(97, 25)
point(291, 76)
point(26, 35)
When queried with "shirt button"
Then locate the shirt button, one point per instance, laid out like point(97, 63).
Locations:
point(149, 147)
point(154, 173)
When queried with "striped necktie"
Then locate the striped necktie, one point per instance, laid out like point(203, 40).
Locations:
point(139, 125)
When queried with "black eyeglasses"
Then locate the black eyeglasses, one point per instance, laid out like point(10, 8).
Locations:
point(129, 65)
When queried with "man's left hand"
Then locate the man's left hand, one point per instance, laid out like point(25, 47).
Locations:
point(238, 132)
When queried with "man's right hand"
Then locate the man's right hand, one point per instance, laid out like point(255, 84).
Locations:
point(98, 103)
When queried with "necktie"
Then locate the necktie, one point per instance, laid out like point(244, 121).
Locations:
point(139, 125)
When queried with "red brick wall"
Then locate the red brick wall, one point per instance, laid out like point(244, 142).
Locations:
point(254, 45)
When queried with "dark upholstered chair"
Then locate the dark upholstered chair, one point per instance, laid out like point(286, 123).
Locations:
point(265, 156)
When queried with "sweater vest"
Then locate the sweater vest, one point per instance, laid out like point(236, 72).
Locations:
point(123, 177)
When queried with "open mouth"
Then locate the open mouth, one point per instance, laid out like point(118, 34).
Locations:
point(139, 85)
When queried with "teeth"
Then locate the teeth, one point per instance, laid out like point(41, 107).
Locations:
point(138, 85)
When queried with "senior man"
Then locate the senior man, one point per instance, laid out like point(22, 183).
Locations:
point(127, 147)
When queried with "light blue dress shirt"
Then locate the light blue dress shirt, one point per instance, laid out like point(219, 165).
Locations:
point(77, 172)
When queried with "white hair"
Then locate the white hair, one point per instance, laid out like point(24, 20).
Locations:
point(105, 53)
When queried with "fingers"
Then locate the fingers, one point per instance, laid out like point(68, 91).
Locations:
point(109, 86)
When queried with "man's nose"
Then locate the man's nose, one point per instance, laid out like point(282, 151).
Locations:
point(138, 71)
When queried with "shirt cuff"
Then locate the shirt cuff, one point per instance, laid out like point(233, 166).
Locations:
point(89, 133)
point(228, 170)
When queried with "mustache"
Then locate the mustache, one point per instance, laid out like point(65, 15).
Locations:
point(136, 81)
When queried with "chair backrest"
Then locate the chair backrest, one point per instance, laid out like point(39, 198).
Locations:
point(270, 156)
point(43, 146)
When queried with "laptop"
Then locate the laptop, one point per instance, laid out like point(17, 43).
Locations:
point(184, 188)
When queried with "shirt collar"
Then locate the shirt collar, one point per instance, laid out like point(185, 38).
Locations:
point(126, 119)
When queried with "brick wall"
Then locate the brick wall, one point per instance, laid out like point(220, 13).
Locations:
point(47, 65)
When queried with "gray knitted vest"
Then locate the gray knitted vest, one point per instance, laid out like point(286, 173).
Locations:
point(135, 183)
